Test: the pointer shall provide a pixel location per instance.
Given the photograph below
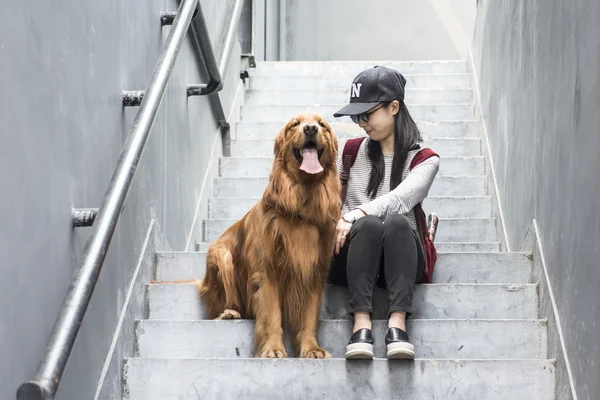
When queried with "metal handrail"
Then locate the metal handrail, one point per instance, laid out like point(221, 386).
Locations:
point(66, 328)
point(215, 69)
point(201, 41)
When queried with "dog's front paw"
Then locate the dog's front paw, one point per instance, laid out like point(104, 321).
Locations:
point(315, 352)
point(276, 352)
point(229, 314)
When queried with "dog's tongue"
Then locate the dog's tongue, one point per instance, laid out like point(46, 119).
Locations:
point(310, 161)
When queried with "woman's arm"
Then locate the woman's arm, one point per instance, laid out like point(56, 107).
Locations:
point(408, 193)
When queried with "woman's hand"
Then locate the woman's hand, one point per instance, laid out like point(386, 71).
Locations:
point(343, 228)
point(341, 231)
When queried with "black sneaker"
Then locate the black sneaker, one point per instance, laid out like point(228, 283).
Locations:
point(360, 345)
point(398, 346)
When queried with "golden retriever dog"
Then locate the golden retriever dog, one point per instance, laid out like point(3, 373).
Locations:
point(272, 265)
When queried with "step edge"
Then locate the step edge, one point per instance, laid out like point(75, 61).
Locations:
point(438, 139)
point(478, 253)
point(499, 285)
point(545, 361)
point(540, 321)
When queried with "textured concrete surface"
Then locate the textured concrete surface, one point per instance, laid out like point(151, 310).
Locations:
point(442, 186)
point(454, 229)
point(445, 147)
point(455, 339)
point(442, 247)
point(448, 207)
point(339, 96)
point(151, 379)
point(238, 167)
point(456, 247)
point(449, 268)
point(537, 66)
point(351, 68)
point(429, 129)
point(421, 112)
point(440, 301)
point(335, 81)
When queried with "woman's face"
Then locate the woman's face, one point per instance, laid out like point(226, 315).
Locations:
point(381, 121)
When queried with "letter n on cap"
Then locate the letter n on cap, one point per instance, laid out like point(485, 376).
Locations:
point(356, 89)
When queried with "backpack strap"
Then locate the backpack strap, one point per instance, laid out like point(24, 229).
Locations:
point(429, 249)
point(348, 157)
point(421, 156)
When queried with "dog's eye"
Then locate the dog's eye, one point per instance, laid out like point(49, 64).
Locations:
point(322, 124)
point(296, 123)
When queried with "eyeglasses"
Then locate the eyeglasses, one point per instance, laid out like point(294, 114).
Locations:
point(365, 116)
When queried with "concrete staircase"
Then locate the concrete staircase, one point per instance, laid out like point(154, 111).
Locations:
point(476, 331)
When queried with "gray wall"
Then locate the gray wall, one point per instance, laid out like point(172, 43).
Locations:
point(351, 30)
point(63, 67)
point(537, 63)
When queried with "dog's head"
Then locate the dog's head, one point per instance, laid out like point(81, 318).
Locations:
point(306, 146)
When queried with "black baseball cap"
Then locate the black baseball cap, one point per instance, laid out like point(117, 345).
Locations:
point(371, 87)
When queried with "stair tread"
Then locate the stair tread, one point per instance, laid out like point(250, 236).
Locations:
point(432, 338)
point(446, 186)
point(455, 229)
point(486, 197)
point(336, 80)
point(441, 300)
point(453, 267)
point(442, 247)
point(156, 378)
point(260, 166)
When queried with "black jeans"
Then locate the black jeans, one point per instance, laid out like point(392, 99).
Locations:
point(388, 254)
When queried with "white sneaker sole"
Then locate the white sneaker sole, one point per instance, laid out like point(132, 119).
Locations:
point(400, 351)
point(359, 351)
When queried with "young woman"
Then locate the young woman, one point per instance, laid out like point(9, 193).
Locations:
point(377, 240)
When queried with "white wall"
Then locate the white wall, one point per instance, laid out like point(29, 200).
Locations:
point(368, 30)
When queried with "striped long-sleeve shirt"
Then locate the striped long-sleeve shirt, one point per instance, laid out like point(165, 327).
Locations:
point(413, 189)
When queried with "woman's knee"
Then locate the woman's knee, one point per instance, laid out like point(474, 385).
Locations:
point(369, 225)
point(395, 224)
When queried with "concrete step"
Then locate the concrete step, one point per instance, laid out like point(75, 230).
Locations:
point(445, 147)
point(433, 301)
point(442, 247)
point(338, 81)
point(450, 338)
point(450, 229)
point(448, 207)
point(467, 247)
point(422, 112)
point(442, 185)
point(341, 96)
point(449, 268)
point(429, 129)
point(295, 68)
point(225, 379)
point(258, 167)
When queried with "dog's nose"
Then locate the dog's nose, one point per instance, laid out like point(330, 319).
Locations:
point(310, 130)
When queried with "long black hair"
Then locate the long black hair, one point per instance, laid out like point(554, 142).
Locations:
point(406, 136)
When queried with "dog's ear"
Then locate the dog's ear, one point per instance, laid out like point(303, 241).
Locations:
point(280, 140)
point(333, 141)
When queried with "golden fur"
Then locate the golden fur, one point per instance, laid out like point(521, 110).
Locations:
point(272, 264)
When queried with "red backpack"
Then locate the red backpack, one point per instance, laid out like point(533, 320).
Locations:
point(349, 156)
